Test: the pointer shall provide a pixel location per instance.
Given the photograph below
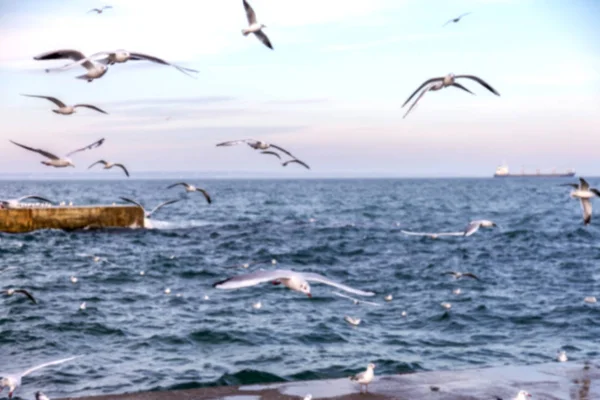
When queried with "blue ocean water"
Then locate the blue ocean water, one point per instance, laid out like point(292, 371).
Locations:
point(535, 269)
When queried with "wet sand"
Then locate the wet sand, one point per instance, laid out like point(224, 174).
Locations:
point(552, 381)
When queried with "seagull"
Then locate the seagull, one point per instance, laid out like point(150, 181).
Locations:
point(352, 321)
point(255, 27)
point(458, 275)
point(192, 188)
point(455, 20)
point(584, 193)
point(457, 291)
point(94, 69)
point(250, 264)
point(590, 300)
point(389, 297)
point(271, 153)
point(122, 56)
point(296, 161)
point(433, 235)
point(41, 396)
point(475, 225)
point(13, 382)
point(446, 305)
point(83, 306)
point(16, 203)
point(256, 145)
point(99, 10)
point(168, 291)
point(364, 378)
point(74, 279)
point(109, 165)
point(257, 305)
point(435, 84)
point(146, 213)
point(10, 292)
point(64, 109)
point(561, 356)
point(308, 397)
point(60, 162)
point(355, 301)
point(293, 280)
point(522, 395)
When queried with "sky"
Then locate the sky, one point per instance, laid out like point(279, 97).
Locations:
point(331, 91)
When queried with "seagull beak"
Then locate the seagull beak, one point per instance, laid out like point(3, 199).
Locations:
point(309, 295)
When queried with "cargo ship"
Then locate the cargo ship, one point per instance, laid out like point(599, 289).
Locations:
point(503, 172)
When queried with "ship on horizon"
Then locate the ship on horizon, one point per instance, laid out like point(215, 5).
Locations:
point(503, 172)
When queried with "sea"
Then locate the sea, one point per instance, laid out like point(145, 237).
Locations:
point(535, 269)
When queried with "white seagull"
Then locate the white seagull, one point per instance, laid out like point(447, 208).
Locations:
point(60, 162)
point(109, 165)
point(41, 396)
point(439, 83)
point(94, 69)
point(561, 356)
point(458, 275)
point(364, 378)
point(13, 382)
point(297, 281)
point(192, 188)
point(64, 109)
point(10, 292)
point(155, 209)
point(256, 145)
point(16, 203)
point(255, 27)
point(584, 193)
point(475, 225)
point(455, 20)
point(522, 395)
point(99, 10)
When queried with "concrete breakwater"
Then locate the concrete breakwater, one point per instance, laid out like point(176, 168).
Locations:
point(20, 220)
point(552, 381)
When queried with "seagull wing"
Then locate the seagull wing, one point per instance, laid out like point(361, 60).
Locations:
point(132, 202)
point(296, 161)
point(34, 197)
point(458, 85)
point(250, 14)
point(30, 370)
point(26, 293)
point(583, 185)
point(140, 56)
point(480, 81)
point(427, 82)
point(472, 228)
point(90, 106)
point(106, 7)
point(321, 279)
point(470, 275)
point(417, 100)
point(573, 185)
point(161, 205)
point(236, 142)
point(282, 150)
point(178, 183)
point(69, 54)
point(52, 99)
point(358, 376)
point(595, 191)
point(123, 168)
point(464, 15)
point(253, 279)
point(357, 300)
point(263, 38)
point(94, 9)
point(271, 153)
point(418, 233)
point(88, 147)
point(449, 273)
point(205, 194)
point(447, 22)
point(586, 208)
point(450, 234)
point(98, 162)
point(40, 151)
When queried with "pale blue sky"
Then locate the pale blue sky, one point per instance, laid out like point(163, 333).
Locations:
point(331, 91)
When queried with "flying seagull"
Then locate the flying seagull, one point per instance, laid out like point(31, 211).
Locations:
point(293, 280)
point(94, 69)
point(433, 235)
point(155, 209)
point(60, 162)
point(15, 203)
point(109, 165)
point(458, 275)
point(475, 225)
point(439, 83)
point(99, 10)
point(255, 27)
point(63, 108)
point(10, 292)
point(192, 188)
point(364, 378)
point(296, 161)
point(13, 382)
point(122, 56)
point(455, 20)
point(584, 193)
point(256, 145)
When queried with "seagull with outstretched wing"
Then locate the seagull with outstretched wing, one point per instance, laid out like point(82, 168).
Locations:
point(109, 165)
point(192, 188)
point(155, 209)
point(255, 27)
point(60, 162)
point(64, 109)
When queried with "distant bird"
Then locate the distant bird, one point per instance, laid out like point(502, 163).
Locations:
point(435, 84)
point(590, 300)
point(13, 382)
point(99, 10)
point(584, 193)
point(364, 378)
point(109, 165)
point(83, 306)
point(446, 305)
point(457, 291)
point(458, 275)
point(74, 279)
point(10, 292)
point(257, 305)
point(475, 225)
point(296, 161)
point(251, 264)
point(64, 109)
point(94, 69)
point(168, 291)
point(255, 27)
point(60, 162)
point(352, 321)
point(155, 209)
point(192, 188)
point(433, 235)
point(355, 301)
point(297, 281)
point(389, 297)
point(562, 356)
point(271, 153)
point(256, 145)
point(403, 314)
point(15, 203)
point(522, 395)
point(41, 396)
point(455, 20)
